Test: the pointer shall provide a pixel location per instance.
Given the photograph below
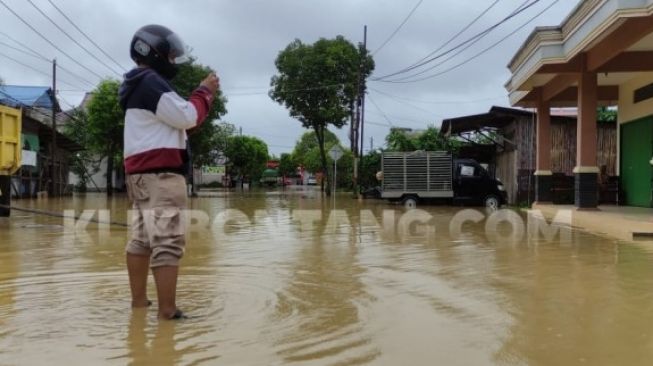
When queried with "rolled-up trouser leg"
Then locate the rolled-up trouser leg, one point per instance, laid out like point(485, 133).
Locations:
point(139, 244)
point(164, 219)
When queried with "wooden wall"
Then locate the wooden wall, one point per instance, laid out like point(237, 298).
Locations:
point(517, 161)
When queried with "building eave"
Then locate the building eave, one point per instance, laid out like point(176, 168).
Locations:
point(588, 24)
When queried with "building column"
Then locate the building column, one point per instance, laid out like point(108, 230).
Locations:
point(586, 170)
point(543, 174)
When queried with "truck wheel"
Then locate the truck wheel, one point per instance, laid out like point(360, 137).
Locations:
point(409, 201)
point(492, 202)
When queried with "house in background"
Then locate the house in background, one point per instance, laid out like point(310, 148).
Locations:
point(512, 154)
point(36, 174)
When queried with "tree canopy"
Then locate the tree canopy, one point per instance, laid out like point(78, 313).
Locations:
point(105, 126)
point(427, 140)
point(604, 114)
point(308, 143)
point(83, 163)
point(247, 155)
point(287, 165)
point(318, 83)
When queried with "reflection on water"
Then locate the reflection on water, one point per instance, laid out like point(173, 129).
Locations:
point(276, 287)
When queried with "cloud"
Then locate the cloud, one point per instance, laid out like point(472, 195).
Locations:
point(241, 39)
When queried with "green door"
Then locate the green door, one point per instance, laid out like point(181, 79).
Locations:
point(636, 153)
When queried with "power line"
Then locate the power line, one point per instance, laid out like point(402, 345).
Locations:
point(24, 64)
point(377, 124)
point(398, 28)
point(23, 51)
point(469, 42)
point(71, 38)
point(412, 106)
point(65, 102)
point(516, 12)
point(31, 55)
point(445, 44)
point(380, 110)
point(33, 68)
point(47, 40)
point(398, 119)
point(287, 91)
point(86, 36)
point(461, 50)
point(482, 52)
point(40, 56)
point(29, 50)
point(438, 102)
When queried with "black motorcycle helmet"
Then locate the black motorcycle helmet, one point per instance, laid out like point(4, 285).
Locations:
point(159, 48)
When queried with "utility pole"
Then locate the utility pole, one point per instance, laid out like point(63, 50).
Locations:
point(53, 145)
point(352, 121)
point(371, 143)
point(357, 136)
point(362, 99)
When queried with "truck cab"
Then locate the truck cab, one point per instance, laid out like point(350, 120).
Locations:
point(472, 184)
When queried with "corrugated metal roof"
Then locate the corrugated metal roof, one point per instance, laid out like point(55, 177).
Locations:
point(30, 96)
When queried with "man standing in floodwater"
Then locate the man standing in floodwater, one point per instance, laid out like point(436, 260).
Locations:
point(156, 120)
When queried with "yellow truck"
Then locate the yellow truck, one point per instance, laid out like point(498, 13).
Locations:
point(10, 149)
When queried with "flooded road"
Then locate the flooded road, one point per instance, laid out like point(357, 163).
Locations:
point(285, 280)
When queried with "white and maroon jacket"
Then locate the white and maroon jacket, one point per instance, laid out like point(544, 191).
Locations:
point(156, 120)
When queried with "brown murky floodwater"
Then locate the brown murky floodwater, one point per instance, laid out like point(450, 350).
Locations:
point(267, 290)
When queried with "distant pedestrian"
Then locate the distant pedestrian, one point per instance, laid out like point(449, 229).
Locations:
point(156, 120)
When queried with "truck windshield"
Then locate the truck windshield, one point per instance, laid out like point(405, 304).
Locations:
point(471, 170)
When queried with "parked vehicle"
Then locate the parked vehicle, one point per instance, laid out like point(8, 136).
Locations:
point(311, 180)
point(411, 177)
point(373, 192)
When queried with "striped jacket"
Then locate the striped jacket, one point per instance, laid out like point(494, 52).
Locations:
point(156, 120)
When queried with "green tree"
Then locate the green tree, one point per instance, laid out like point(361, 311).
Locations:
point(247, 156)
point(399, 140)
point(308, 142)
point(313, 163)
point(318, 83)
point(603, 114)
point(370, 164)
point(105, 126)
point(433, 140)
point(345, 169)
point(84, 163)
point(428, 140)
point(206, 140)
point(220, 138)
point(287, 165)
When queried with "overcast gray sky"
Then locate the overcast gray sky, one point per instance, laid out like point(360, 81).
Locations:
point(241, 39)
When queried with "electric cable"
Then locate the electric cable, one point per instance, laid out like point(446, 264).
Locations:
point(399, 27)
point(3, 3)
point(73, 39)
point(86, 36)
point(475, 56)
point(516, 12)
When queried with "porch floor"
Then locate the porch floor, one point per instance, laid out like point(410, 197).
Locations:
point(619, 222)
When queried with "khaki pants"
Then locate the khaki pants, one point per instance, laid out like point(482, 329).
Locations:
point(158, 223)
